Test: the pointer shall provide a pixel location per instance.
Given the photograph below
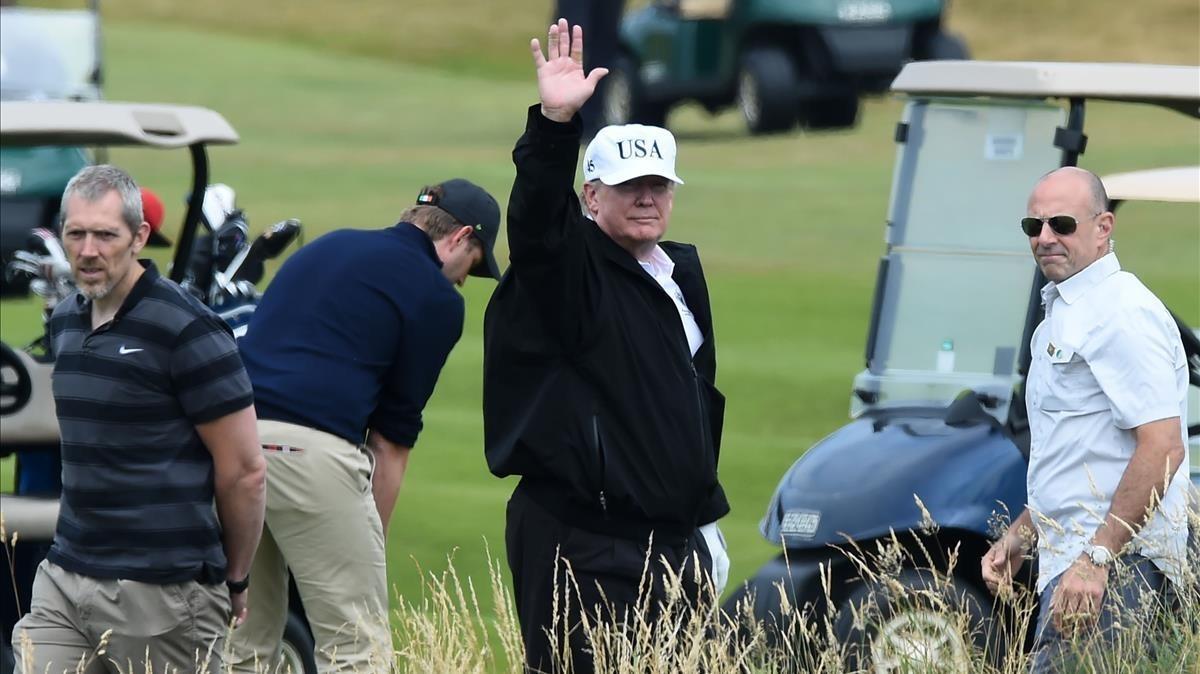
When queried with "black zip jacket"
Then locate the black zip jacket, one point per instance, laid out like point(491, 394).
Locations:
point(590, 390)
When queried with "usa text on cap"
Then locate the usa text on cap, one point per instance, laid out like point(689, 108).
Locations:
point(620, 153)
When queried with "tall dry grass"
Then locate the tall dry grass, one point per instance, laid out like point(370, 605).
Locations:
point(912, 615)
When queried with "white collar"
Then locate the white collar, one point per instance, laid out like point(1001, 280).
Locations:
point(660, 264)
point(1089, 277)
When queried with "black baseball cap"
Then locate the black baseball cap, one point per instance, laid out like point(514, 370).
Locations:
point(471, 205)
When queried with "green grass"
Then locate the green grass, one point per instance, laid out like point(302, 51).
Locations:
point(485, 37)
point(790, 228)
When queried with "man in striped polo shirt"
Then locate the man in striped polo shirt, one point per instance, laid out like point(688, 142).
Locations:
point(157, 422)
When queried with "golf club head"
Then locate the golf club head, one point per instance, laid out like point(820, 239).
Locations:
point(230, 239)
point(43, 263)
point(267, 246)
point(278, 236)
point(219, 201)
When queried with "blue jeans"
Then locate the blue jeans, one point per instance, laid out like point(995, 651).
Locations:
point(1135, 588)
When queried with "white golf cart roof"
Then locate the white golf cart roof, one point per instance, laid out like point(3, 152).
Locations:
point(1179, 183)
point(1175, 87)
point(109, 123)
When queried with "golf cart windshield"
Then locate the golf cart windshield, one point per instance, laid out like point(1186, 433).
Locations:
point(953, 286)
point(49, 54)
point(955, 299)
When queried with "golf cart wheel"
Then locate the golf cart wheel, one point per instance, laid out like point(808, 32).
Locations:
point(943, 46)
point(297, 647)
point(16, 387)
point(625, 99)
point(766, 90)
point(833, 113)
point(918, 624)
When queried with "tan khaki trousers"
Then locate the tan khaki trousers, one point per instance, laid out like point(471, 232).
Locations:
point(181, 626)
point(322, 524)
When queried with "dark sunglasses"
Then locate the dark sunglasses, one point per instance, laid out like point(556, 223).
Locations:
point(1063, 225)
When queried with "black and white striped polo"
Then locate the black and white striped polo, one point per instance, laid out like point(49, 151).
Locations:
point(137, 500)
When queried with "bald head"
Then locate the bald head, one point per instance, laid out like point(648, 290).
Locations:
point(1082, 180)
point(1079, 194)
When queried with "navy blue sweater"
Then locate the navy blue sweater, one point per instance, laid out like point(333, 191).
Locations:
point(352, 334)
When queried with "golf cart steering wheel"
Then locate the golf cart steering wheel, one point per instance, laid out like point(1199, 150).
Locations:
point(16, 387)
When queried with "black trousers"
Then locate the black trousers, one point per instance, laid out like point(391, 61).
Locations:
point(605, 572)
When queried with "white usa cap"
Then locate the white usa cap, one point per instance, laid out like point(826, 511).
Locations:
point(628, 151)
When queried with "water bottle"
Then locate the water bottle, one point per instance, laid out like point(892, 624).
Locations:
point(945, 356)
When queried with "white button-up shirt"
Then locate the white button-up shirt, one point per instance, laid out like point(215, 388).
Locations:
point(660, 266)
point(1106, 359)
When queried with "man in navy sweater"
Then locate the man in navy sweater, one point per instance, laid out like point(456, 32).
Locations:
point(343, 352)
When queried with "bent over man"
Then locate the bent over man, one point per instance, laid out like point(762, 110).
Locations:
point(344, 351)
point(157, 425)
point(599, 364)
point(1107, 399)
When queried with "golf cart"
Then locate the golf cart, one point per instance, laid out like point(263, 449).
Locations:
point(780, 61)
point(939, 412)
point(45, 54)
point(28, 425)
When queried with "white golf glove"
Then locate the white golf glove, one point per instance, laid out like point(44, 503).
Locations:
point(720, 554)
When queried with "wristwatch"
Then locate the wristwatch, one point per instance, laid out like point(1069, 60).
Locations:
point(1100, 555)
point(238, 586)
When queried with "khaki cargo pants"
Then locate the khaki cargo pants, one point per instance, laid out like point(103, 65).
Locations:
point(321, 523)
point(181, 626)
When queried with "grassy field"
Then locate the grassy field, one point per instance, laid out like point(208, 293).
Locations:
point(478, 36)
point(344, 117)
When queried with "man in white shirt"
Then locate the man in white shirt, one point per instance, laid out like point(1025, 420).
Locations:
point(1107, 396)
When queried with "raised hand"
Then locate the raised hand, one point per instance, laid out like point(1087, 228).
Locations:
point(562, 85)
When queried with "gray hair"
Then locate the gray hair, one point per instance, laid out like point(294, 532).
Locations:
point(583, 201)
point(92, 183)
